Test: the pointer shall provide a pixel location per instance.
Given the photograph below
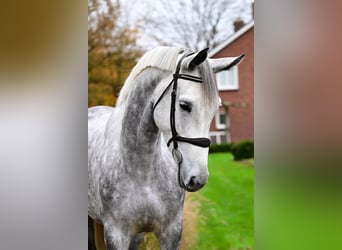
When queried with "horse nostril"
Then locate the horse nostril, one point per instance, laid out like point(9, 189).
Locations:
point(192, 182)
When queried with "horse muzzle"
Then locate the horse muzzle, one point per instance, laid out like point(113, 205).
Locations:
point(193, 184)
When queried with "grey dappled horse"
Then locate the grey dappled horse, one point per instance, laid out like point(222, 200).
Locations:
point(144, 153)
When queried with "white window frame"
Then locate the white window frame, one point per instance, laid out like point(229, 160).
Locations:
point(218, 134)
point(234, 85)
point(218, 124)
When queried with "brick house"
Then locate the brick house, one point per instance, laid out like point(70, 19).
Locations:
point(235, 119)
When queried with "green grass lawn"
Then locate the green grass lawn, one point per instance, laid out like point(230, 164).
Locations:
point(226, 212)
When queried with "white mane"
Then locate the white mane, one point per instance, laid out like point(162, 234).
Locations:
point(161, 57)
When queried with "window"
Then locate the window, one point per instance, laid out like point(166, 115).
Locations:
point(228, 79)
point(221, 120)
point(219, 137)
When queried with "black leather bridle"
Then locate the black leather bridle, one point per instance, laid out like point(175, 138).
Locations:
point(200, 141)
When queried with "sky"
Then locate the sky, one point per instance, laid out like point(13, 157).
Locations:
point(136, 9)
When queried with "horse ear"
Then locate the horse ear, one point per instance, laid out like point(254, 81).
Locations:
point(197, 58)
point(225, 63)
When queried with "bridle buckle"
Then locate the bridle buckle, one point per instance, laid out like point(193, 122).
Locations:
point(177, 155)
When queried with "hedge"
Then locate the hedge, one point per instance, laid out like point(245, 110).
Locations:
point(215, 148)
point(243, 150)
point(240, 150)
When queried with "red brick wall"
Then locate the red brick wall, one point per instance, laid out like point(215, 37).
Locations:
point(241, 119)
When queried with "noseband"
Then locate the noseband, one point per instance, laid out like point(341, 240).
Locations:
point(200, 141)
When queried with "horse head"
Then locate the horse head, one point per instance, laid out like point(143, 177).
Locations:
point(184, 106)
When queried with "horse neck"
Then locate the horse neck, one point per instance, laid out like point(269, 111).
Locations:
point(140, 137)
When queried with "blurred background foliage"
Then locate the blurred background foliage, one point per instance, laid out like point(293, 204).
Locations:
point(112, 51)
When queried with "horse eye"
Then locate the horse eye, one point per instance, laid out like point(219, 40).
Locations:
point(185, 106)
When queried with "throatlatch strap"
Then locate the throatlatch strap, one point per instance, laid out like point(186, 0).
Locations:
point(161, 96)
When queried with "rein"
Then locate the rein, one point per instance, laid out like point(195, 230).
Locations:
point(199, 141)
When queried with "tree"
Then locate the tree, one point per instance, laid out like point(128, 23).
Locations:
point(195, 24)
point(112, 51)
